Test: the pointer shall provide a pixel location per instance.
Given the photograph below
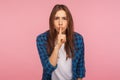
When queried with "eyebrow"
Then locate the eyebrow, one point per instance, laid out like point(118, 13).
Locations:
point(63, 16)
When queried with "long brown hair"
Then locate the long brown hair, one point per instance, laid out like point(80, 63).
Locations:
point(69, 45)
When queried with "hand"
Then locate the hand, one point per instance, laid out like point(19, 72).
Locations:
point(61, 38)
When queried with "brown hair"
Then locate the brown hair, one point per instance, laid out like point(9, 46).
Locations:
point(69, 45)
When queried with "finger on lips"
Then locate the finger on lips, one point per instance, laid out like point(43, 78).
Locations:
point(60, 31)
point(63, 37)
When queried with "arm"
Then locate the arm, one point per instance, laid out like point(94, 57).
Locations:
point(54, 56)
point(49, 63)
point(79, 78)
point(60, 40)
point(81, 63)
point(47, 66)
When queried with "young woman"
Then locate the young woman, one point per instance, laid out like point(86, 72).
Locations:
point(61, 49)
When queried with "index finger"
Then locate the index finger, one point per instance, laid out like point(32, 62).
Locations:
point(60, 31)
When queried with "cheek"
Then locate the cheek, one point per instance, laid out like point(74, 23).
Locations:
point(65, 24)
point(56, 23)
point(56, 27)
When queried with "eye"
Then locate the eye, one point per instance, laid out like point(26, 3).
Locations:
point(64, 18)
point(56, 18)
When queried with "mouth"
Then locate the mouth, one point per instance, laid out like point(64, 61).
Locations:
point(59, 29)
point(62, 30)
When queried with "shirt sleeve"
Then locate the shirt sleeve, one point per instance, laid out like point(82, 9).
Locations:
point(81, 63)
point(42, 50)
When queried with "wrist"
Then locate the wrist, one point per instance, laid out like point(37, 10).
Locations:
point(56, 47)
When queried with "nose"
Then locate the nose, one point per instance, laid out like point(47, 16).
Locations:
point(60, 22)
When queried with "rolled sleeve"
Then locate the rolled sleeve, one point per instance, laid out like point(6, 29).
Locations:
point(81, 63)
point(47, 66)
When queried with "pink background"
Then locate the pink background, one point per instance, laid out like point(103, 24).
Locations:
point(22, 20)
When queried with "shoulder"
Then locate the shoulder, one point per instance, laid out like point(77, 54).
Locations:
point(42, 37)
point(78, 41)
point(78, 36)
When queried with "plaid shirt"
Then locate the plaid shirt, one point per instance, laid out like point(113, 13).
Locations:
point(78, 63)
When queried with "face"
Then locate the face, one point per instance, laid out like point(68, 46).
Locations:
point(60, 20)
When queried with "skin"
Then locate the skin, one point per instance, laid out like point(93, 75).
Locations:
point(60, 24)
point(60, 21)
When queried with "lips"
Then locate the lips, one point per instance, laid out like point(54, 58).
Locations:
point(59, 28)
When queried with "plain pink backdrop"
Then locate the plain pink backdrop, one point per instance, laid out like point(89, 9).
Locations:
point(22, 20)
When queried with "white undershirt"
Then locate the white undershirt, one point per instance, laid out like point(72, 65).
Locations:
point(64, 67)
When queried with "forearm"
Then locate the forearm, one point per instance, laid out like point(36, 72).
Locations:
point(54, 56)
point(79, 79)
point(61, 38)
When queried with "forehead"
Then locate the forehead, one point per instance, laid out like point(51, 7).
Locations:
point(60, 13)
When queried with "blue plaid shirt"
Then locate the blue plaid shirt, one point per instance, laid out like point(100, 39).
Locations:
point(78, 63)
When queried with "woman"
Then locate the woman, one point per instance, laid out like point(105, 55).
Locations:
point(61, 49)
